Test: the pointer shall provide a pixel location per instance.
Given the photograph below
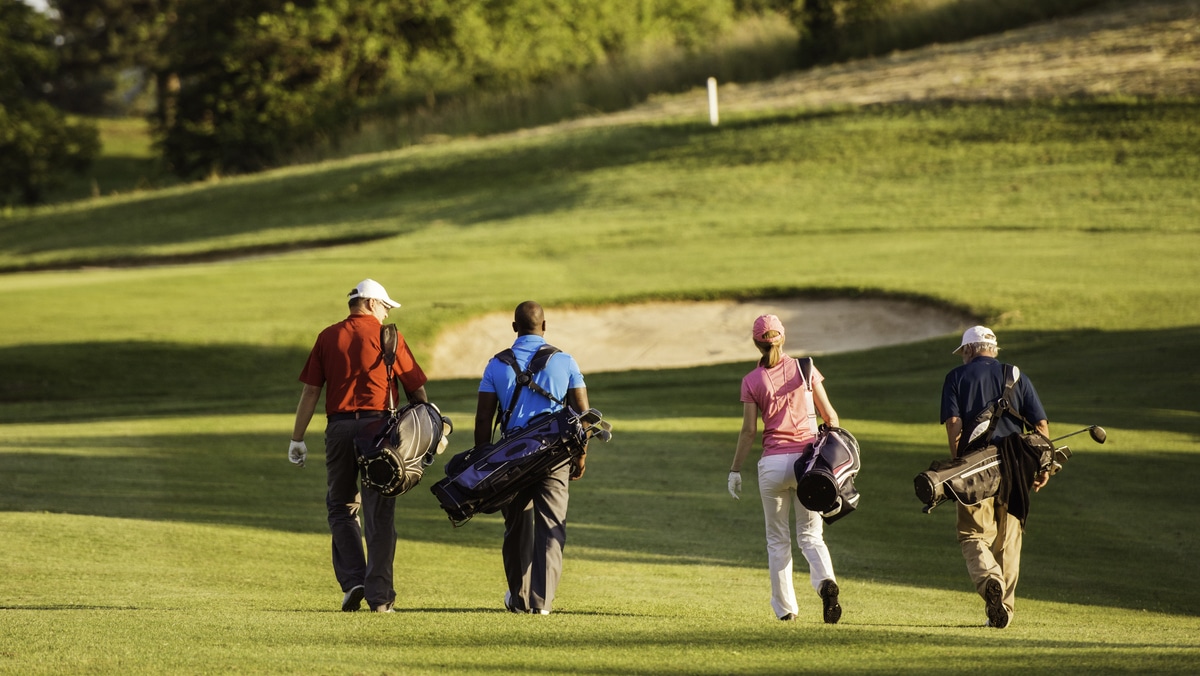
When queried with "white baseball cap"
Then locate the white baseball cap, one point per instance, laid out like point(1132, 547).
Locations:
point(976, 334)
point(369, 288)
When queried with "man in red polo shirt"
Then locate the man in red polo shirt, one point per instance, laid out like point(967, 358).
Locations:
point(347, 360)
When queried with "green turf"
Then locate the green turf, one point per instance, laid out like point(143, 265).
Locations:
point(154, 525)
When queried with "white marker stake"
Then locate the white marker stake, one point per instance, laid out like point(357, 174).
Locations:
point(712, 100)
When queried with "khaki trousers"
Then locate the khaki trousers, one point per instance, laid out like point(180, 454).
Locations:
point(991, 547)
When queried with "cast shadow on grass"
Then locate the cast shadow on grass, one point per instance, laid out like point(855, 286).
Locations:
point(649, 496)
point(659, 498)
point(382, 196)
point(1142, 380)
point(67, 607)
point(81, 382)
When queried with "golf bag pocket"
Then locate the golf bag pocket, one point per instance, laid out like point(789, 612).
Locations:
point(825, 475)
point(393, 452)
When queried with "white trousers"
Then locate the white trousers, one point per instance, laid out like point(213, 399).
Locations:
point(777, 486)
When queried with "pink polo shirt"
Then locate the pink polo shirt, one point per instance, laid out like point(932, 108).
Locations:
point(788, 414)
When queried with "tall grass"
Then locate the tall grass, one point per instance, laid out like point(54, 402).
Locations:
point(756, 48)
point(943, 21)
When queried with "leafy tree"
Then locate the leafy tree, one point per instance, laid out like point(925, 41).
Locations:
point(100, 38)
point(249, 80)
point(823, 23)
point(245, 82)
point(38, 145)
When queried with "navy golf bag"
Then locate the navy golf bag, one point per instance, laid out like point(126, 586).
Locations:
point(825, 475)
point(486, 478)
point(394, 451)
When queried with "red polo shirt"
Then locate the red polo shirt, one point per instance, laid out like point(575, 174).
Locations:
point(347, 356)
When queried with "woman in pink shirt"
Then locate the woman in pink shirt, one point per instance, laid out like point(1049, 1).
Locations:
point(776, 391)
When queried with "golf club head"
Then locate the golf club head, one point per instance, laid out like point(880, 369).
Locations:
point(1098, 434)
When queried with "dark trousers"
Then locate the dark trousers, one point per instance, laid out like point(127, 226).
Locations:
point(535, 532)
point(345, 502)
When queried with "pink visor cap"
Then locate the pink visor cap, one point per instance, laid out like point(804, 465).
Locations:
point(767, 323)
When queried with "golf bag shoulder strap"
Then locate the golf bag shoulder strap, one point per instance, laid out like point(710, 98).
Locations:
point(525, 379)
point(389, 340)
point(805, 364)
point(980, 429)
point(1006, 403)
point(536, 363)
point(1011, 375)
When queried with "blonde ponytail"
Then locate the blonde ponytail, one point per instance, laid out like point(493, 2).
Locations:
point(772, 350)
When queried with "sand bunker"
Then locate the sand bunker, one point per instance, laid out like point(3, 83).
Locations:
point(676, 335)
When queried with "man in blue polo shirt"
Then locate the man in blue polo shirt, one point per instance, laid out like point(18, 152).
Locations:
point(535, 522)
point(990, 537)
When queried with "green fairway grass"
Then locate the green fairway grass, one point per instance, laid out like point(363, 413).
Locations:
point(152, 345)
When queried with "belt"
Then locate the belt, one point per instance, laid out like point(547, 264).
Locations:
point(355, 415)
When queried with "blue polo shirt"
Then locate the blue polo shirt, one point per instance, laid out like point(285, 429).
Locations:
point(561, 374)
point(971, 387)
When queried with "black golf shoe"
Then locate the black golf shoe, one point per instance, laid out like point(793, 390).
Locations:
point(353, 599)
point(831, 609)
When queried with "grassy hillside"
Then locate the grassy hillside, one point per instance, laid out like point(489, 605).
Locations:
point(153, 525)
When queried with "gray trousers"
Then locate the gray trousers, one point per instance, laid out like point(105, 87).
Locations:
point(345, 502)
point(535, 532)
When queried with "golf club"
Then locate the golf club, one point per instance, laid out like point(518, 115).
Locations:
point(1097, 432)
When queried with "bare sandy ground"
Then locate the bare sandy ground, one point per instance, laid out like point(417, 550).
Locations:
point(676, 335)
point(1139, 49)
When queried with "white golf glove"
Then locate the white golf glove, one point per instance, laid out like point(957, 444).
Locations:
point(297, 452)
point(735, 484)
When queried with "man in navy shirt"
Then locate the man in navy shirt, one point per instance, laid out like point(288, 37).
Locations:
point(990, 537)
point(535, 522)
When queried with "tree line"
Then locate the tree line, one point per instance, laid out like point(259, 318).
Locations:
point(235, 85)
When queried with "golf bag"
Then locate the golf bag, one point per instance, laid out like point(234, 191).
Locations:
point(825, 475)
point(486, 478)
point(969, 479)
point(976, 476)
point(394, 451)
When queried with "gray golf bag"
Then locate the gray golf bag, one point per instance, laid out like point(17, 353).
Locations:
point(825, 476)
point(975, 476)
point(487, 478)
point(394, 451)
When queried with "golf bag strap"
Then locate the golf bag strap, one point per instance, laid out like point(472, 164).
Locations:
point(805, 364)
point(1011, 376)
point(389, 340)
point(524, 379)
point(1003, 406)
